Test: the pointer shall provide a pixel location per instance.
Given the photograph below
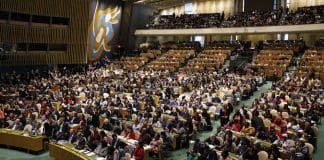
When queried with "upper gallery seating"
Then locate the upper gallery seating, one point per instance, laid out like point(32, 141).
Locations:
point(303, 15)
point(187, 21)
point(253, 18)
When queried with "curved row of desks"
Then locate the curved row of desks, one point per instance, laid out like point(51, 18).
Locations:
point(67, 152)
point(17, 139)
point(59, 151)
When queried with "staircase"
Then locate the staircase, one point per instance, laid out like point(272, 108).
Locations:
point(293, 65)
point(238, 63)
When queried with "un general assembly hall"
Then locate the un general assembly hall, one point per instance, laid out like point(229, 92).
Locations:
point(161, 79)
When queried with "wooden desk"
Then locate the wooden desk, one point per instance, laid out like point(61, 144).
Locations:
point(7, 97)
point(67, 152)
point(13, 138)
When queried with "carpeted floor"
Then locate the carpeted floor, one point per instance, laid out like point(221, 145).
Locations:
point(7, 154)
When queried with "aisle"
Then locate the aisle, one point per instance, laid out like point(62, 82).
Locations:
point(8, 154)
point(247, 103)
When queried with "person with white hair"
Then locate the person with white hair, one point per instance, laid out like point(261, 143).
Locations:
point(17, 125)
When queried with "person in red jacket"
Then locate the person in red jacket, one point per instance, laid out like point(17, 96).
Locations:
point(138, 153)
point(129, 133)
point(1, 114)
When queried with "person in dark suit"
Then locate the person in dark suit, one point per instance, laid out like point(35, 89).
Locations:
point(145, 138)
point(113, 145)
point(73, 136)
point(63, 131)
point(95, 118)
point(107, 125)
point(257, 122)
point(224, 115)
point(81, 142)
point(48, 129)
point(75, 119)
point(3, 123)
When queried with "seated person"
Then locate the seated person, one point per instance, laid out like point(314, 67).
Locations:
point(303, 149)
point(156, 144)
point(138, 153)
point(137, 125)
point(117, 127)
point(145, 138)
point(212, 140)
point(80, 142)
point(75, 119)
point(73, 136)
point(129, 133)
point(107, 125)
point(17, 125)
point(113, 145)
point(62, 132)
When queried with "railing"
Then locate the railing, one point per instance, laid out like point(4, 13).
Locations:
point(234, 30)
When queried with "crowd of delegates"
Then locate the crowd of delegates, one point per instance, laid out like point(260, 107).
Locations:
point(282, 123)
point(187, 21)
point(254, 18)
point(303, 15)
point(92, 108)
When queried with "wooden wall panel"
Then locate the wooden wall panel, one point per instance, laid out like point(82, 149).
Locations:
point(75, 35)
point(16, 33)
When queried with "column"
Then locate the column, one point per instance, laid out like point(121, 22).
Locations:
point(125, 23)
point(238, 6)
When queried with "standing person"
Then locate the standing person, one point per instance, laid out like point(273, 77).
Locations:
point(224, 115)
point(275, 76)
point(138, 153)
